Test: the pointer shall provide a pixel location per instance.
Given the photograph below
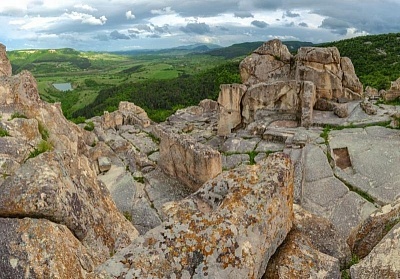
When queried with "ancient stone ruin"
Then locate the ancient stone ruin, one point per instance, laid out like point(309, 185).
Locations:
point(283, 84)
point(250, 186)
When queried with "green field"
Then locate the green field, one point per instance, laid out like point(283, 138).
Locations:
point(91, 72)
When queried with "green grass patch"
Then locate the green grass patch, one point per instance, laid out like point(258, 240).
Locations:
point(43, 131)
point(391, 224)
point(17, 115)
point(4, 133)
point(139, 179)
point(127, 215)
point(361, 193)
point(42, 147)
point(89, 126)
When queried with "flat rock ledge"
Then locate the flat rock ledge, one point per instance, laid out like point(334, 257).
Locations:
point(229, 228)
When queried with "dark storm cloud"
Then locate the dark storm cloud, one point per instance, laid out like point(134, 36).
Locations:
point(336, 25)
point(197, 28)
point(101, 37)
point(154, 36)
point(243, 14)
point(161, 29)
point(115, 35)
point(259, 23)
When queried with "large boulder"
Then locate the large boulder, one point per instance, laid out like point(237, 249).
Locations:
point(229, 101)
point(333, 76)
point(39, 248)
point(298, 258)
point(270, 62)
point(5, 65)
point(394, 92)
point(368, 234)
point(229, 228)
point(190, 162)
point(279, 96)
point(383, 261)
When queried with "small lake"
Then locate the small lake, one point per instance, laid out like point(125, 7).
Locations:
point(63, 86)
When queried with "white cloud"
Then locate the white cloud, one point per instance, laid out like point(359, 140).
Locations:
point(86, 18)
point(85, 7)
point(129, 15)
point(163, 11)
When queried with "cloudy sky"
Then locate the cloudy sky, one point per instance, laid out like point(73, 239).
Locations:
point(147, 24)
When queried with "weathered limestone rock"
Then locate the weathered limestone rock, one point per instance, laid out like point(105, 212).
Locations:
point(395, 122)
point(229, 100)
point(270, 62)
point(394, 92)
point(209, 105)
point(326, 69)
point(189, 161)
point(322, 234)
point(104, 164)
point(365, 237)
point(383, 261)
point(38, 248)
point(341, 110)
point(353, 88)
point(134, 114)
point(298, 258)
point(281, 96)
point(368, 107)
point(228, 229)
point(59, 185)
point(5, 64)
point(112, 120)
point(308, 99)
point(371, 93)
point(64, 189)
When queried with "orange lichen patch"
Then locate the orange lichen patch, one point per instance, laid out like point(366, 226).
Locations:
point(50, 250)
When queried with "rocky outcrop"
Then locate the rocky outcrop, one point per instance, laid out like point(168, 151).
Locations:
point(189, 161)
point(368, 234)
point(5, 65)
point(277, 81)
point(383, 261)
point(229, 228)
point(38, 248)
point(229, 100)
point(48, 180)
point(394, 92)
point(127, 114)
point(298, 258)
point(270, 62)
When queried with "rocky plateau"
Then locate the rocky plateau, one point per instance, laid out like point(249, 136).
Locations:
point(294, 173)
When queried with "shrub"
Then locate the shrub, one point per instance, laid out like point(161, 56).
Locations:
point(89, 126)
point(4, 133)
point(42, 147)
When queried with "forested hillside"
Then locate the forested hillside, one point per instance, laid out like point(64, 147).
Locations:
point(376, 58)
point(160, 98)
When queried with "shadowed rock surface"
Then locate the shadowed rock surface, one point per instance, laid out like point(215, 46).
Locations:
point(229, 228)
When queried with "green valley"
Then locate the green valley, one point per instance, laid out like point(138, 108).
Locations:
point(165, 80)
